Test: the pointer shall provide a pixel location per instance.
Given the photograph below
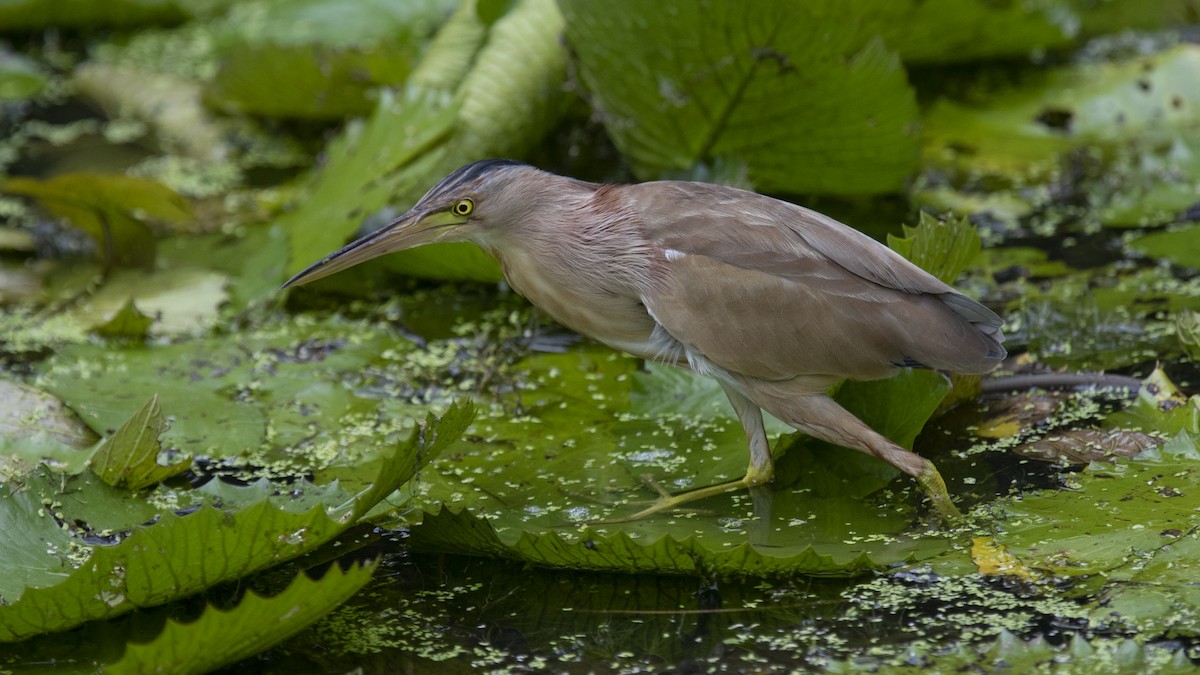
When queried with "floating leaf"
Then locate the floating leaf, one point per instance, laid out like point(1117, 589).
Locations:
point(224, 636)
point(300, 384)
point(1128, 530)
point(994, 560)
point(667, 391)
point(524, 488)
point(1159, 408)
point(51, 581)
point(724, 79)
point(129, 458)
point(1114, 515)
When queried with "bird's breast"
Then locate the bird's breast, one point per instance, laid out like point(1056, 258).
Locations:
point(581, 303)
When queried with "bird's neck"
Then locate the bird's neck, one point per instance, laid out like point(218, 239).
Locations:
point(592, 241)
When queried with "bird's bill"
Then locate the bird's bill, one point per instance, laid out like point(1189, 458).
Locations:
point(410, 230)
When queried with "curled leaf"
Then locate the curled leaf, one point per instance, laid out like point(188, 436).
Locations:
point(129, 458)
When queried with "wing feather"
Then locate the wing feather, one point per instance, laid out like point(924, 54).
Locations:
point(798, 293)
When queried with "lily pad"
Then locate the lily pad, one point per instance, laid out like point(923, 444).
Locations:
point(525, 486)
point(1160, 408)
point(1083, 446)
point(128, 322)
point(179, 300)
point(54, 580)
point(295, 394)
point(1129, 528)
point(26, 411)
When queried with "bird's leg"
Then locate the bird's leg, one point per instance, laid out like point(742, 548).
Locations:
point(821, 417)
point(762, 467)
point(759, 472)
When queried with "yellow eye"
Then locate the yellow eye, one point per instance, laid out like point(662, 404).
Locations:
point(464, 207)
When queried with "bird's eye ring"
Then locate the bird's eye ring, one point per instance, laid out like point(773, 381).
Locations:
point(464, 207)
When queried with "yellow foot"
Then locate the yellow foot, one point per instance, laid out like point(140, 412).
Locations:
point(939, 498)
point(668, 502)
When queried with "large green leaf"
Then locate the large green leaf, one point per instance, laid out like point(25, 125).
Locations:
point(1160, 407)
point(521, 486)
point(296, 392)
point(221, 637)
point(797, 91)
point(53, 580)
point(1130, 532)
point(25, 412)
point(183, 299)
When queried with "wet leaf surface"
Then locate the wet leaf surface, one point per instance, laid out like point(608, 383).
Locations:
point(527, 487)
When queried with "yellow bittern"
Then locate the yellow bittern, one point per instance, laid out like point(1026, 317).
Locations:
point(775, 301)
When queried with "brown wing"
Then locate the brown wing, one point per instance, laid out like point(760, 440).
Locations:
point(772, 290)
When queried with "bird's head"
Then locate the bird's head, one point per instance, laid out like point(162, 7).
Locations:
point(464, 206)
